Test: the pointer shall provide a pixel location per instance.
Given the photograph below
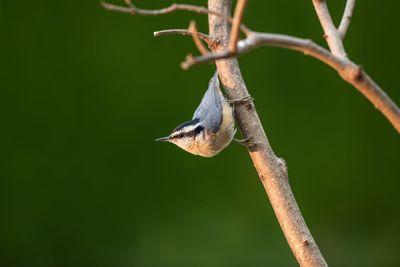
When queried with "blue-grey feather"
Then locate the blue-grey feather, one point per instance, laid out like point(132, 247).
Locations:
point(210, 109)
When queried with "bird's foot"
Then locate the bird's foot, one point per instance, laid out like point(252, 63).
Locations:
point(246, 141)
point(241, 100)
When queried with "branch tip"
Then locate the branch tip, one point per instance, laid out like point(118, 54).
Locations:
point(211, 42)
point(128, 3)
point(346, 19)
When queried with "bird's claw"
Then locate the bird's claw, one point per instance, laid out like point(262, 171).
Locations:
point(246, 141)
point(241, 100)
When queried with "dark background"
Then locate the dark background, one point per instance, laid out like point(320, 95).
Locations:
point(85, 92)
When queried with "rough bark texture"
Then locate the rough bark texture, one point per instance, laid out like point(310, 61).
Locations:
point(271, 169)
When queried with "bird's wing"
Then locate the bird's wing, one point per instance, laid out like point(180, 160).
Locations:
point(209, 112)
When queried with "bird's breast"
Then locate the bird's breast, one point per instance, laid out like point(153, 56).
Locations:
point(210, 144)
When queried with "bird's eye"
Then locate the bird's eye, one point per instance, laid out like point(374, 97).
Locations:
point(199, 129)
point(181, 135)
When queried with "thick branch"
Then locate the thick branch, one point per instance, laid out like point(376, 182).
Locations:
point(346, 19)
point(271, 169)
point(330, 32)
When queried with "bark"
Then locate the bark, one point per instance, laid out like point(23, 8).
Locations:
point(271, 169)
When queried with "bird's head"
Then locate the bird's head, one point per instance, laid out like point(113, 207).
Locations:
point(188, 136)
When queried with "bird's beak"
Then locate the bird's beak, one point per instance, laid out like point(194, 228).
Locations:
point(163, 139)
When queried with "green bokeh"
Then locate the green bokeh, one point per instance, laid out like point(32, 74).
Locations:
point(85, 92)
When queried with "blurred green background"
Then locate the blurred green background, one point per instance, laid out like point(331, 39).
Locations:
point(85, 92)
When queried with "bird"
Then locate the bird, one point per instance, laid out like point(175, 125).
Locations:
point(212, 127)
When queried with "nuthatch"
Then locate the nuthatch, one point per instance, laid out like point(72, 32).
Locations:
point(212, 127)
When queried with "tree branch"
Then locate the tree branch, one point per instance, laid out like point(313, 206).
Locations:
point(196, 38)
point(346, 19)
point(271, 169)
point(209, 41)
point(237, 21)
point(256, 39)
point(133, 10)
point(361, 80)
point(331, 34)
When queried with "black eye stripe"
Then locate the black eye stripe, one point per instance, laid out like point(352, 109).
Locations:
point(198, 129)
point(192, 133)
point(185, 124)
point(195, 131)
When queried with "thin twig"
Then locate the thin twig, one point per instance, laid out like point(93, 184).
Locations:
point(331, 34)
point(211, 42)
point(196, 39)
point(128, 3)
point(237, 21)
point(256, 39)
point(133, 10)
point(346, 19)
